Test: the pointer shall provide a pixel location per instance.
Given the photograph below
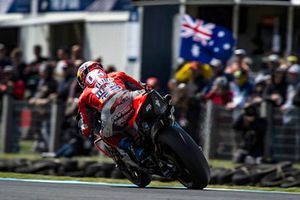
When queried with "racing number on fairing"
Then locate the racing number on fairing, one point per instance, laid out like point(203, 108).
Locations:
point(104, 90)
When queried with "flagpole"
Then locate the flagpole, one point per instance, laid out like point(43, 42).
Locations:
point(182, 8)
point(289, 36)
point(235, 19)
point(176, 33)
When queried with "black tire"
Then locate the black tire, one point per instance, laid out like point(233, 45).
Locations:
point(117, 174)
point(279, 178)
point(137, 176)
point(196, 172)
point(225, 176)
point(91, 170)
point(251, 175)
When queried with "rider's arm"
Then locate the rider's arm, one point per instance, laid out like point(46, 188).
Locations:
point(83, 112)
point(129, 82)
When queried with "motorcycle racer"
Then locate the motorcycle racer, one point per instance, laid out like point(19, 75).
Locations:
point(138, 130)
point(111, 95)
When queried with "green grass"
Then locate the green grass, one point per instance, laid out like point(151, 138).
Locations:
point(31, 156)
point(124, 181)
point(222, 163)
point(26, 146)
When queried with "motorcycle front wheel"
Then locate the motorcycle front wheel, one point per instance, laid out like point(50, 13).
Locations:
point(136, 176)
point(193, 170)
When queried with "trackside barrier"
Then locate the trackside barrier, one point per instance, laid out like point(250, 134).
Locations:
point(285, 136)
point(6, 125)
point(220, 140)
point(55, 126)
point(282, 141)
point(21, 120)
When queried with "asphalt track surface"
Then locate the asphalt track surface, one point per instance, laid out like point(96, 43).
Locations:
point(23, 190)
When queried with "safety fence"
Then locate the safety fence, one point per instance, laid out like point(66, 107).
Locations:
point(19, 119)
point(285, 137)
point(282, 139)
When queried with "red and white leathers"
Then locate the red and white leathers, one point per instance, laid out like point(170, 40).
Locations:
point(112, 96)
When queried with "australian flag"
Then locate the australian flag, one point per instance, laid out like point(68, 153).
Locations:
point(204, 42)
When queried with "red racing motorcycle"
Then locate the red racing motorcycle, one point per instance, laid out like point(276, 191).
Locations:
point(173, 153)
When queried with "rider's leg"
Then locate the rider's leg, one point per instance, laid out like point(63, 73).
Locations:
point(127, 144)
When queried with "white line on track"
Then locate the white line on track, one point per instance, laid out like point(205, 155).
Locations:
point(131, 185)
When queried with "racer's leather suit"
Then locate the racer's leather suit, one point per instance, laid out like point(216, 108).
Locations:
point(112, 96)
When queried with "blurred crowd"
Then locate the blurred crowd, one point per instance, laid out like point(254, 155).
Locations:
point(40, 82)
point(233, 86)
point(43, 79)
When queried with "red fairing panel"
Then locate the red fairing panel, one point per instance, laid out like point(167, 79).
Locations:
point(137, 104)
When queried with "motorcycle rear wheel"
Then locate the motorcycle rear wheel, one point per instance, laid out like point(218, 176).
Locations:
point(194, 171)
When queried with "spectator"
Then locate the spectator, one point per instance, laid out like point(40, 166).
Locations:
point(291, 60)
point(74, 90)
point(7, 81)
point(46, 87)
point(242, 88)
point(74, 144)
point(296, 99)
point(276, 91)
point(63, 61)
point(196, 75)
point(252, 129)
point(4, 61)
point(46, 90)
point(31, 73)
point(192, 70)
point(187, 110)
point(257, 96)
point(65, 84)
point(238, 63)
point(37, 51)
point(293, 79)
point(153, 82)
point(76, 55)
point(11, 85)
point(217, 67)
point(220, 93)
point(273, 62)
point(99, 60)
point(14, 87)
point(17, 63)
point(110, 69)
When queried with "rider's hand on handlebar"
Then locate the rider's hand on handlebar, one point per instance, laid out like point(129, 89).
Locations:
point(147, 87)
